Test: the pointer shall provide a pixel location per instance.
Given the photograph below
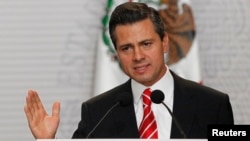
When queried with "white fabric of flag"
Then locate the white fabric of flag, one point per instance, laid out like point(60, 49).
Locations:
point(108, 73)
point(189, 67)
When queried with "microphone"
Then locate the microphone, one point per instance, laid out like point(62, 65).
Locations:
point(124, 99)
point(157, 97)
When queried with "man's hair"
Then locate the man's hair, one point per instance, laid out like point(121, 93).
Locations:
point(132, 12)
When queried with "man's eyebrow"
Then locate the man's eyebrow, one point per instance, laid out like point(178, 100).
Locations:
point(146, 40)
point(124, 45)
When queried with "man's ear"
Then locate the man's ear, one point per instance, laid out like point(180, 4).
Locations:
point(165, 43)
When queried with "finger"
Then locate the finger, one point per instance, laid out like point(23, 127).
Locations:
point(29, 108)
point(56, 109)
point(29, 103)
point(28, 114)
point(37, 101)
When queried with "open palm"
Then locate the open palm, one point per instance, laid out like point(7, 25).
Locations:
point(42, 125)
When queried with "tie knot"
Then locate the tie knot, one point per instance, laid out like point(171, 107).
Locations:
point(146, 96)
point(147, 92)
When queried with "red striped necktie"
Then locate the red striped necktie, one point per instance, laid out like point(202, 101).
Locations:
point(148, 127)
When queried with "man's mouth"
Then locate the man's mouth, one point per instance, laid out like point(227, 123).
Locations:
point(141, 69)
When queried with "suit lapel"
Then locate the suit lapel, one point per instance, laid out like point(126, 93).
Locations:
point(183, 107)
point(124, 116)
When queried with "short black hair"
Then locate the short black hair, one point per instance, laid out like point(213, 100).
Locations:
point(132, 12)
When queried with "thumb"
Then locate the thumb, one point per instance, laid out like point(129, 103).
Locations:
point(56, 109)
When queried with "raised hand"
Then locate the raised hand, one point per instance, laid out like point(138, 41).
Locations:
point(42, 125)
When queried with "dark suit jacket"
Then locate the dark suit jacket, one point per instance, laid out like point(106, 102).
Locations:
point(195, 106)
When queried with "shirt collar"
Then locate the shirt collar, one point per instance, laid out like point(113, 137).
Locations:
point(165, 84)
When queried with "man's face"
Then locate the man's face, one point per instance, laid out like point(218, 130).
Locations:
point(141, 51)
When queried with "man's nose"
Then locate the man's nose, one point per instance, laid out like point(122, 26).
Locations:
point(138, 54)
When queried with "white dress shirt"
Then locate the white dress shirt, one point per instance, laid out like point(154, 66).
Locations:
point(163, 117)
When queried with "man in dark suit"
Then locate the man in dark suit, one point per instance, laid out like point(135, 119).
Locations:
point(140, 40)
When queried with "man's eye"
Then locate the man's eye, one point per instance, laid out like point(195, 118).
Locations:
point(125, 48)
point(147, 44)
